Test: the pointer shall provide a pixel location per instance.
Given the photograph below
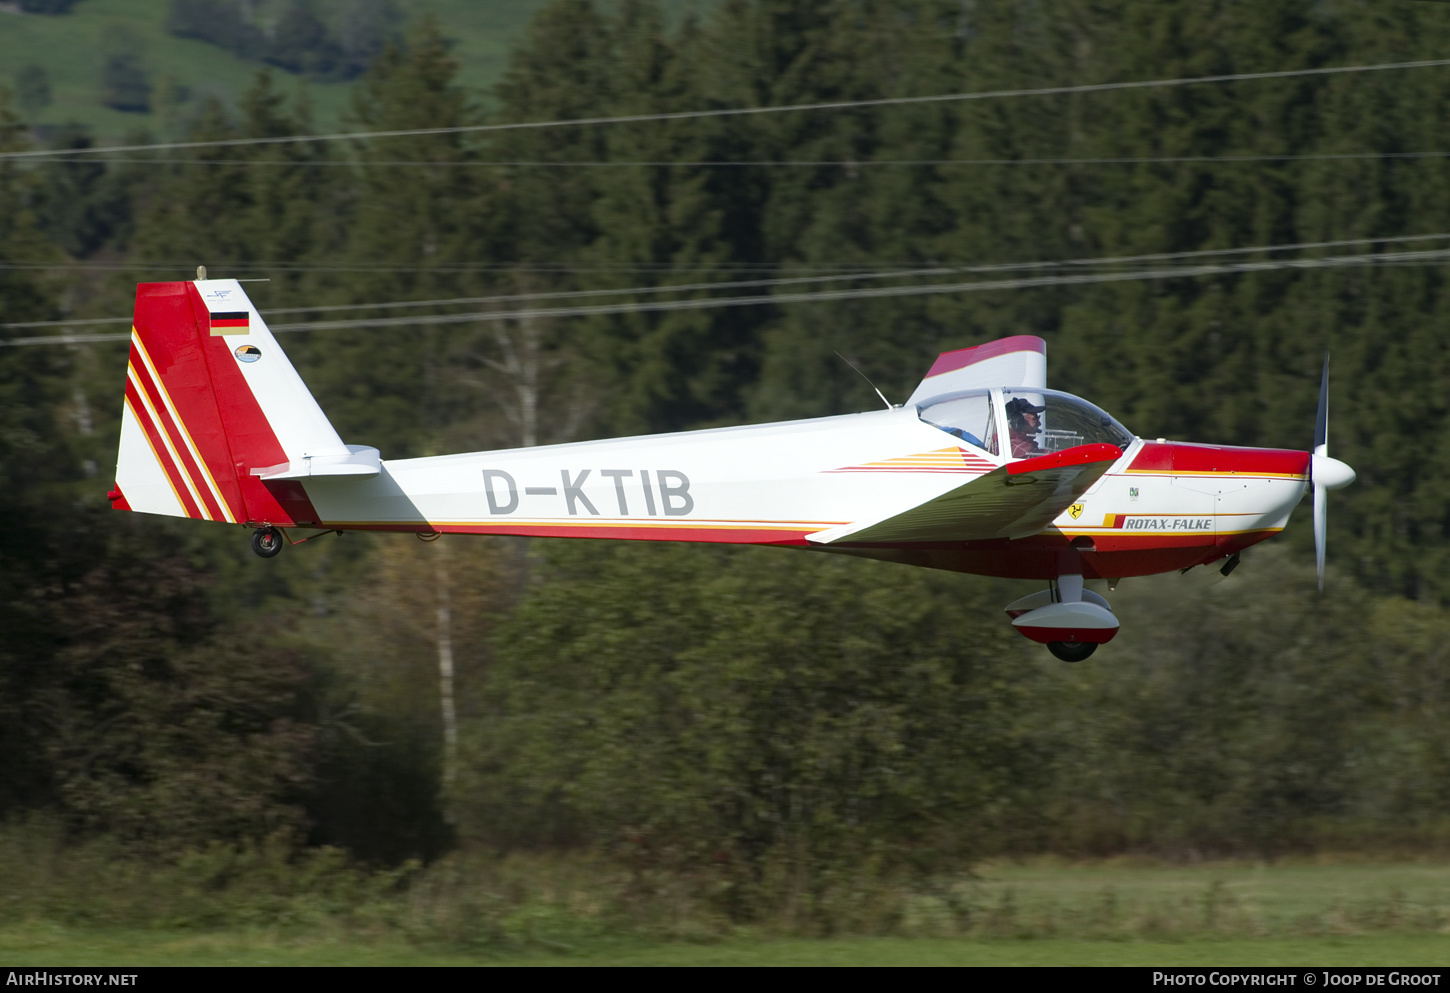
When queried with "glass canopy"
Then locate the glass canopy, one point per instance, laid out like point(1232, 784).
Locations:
point(1038, 422)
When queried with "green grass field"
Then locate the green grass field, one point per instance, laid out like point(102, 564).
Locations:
point(32, 946)
point(1218, 914)
point(70, 47)
point(1228, 899)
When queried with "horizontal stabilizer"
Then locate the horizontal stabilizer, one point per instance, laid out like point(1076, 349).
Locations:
point(1013, 501)
point(360, 461)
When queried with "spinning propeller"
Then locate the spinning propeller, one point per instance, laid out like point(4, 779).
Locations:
point(1326, 473)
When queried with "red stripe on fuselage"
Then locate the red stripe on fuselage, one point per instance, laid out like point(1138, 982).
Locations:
point(683, 532)
point(1037, 557)
point(1114, 557)
point(1186, 457)
point(158, 448)
point(178, 441)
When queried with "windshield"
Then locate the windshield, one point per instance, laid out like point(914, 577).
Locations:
point(968, 417)
point(1043, 421)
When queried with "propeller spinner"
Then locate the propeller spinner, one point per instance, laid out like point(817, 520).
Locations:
point(1326, 473)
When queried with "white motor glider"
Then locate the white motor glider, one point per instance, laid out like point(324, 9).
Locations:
point(983, 470)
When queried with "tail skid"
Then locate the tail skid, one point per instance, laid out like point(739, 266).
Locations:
point(217, 424)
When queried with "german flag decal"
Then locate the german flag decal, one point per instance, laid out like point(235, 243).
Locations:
point(229, 322)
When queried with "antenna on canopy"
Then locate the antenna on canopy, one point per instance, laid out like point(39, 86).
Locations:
point(889, 404)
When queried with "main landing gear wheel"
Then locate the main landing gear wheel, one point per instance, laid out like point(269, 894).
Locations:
point(1072, 651)
point(266, 542)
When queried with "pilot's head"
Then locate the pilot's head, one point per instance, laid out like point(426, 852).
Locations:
point(1022, 415)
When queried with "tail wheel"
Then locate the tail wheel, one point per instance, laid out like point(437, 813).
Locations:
point(1072, 651)
point(266, 542)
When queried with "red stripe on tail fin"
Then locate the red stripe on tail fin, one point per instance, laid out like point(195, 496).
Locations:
point(158, 448)
point(202, 482)
point(218, 413)
point(166, 329)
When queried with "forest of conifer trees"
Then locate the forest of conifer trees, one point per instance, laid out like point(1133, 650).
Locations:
point(760, 721)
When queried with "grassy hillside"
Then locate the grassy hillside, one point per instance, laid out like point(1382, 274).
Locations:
point(71, 49)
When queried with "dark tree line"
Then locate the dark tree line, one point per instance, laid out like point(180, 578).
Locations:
point(751, 715)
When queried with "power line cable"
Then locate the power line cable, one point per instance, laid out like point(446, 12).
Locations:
point(462, 268)
point(871, 293)
point(1098, 261)
point(1436, 256)
point(667, 267)
point(736, 111)
point(807, 164)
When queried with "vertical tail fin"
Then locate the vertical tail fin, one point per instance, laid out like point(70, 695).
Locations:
point(217, 424)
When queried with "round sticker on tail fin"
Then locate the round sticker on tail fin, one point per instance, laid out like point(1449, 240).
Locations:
point(248, 353)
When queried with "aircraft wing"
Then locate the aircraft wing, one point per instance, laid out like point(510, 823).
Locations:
point(1011, 501)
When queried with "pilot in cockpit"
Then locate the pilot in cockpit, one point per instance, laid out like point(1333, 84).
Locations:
point(1023, 424)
